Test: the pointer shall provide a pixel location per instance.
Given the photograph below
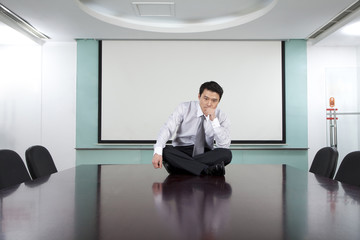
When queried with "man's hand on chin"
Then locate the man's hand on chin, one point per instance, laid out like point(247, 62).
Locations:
point(211, 113)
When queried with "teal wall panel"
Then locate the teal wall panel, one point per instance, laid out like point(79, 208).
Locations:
point(87, 93)
point(293, 158)
point(293, 153)
point(296, 93)
point(111, 156)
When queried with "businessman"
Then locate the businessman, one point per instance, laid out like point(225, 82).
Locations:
point(202, 136)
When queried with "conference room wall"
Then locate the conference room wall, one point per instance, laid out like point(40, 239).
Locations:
point(59, 101)
point(37, 99)
point(294, 152)
point(20, 96)
point(323, 61)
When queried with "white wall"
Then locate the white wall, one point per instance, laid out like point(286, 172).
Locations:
point(59, 102)
point(321, 61)
point(20, 96)
point(37, 99)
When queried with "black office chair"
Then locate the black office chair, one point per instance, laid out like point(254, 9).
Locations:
point(349, 169)
point(12, 169)
point(39, 162)
point(325, 162)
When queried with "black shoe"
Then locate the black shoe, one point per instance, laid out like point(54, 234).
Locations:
point(215, 170)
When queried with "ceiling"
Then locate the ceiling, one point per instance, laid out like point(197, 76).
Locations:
point(186, 19)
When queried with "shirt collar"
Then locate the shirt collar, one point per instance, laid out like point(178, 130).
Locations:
point(199, 111)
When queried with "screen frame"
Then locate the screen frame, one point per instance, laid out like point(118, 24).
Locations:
point(236, 142)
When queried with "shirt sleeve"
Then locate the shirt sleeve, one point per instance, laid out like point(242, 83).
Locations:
point(221, 126)
point(168, 129)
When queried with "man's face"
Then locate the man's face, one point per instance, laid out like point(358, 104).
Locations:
point(208, 101)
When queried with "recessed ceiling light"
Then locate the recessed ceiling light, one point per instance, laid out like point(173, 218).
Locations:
point(154, 9)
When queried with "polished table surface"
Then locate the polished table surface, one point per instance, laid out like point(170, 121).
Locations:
point(138, 202)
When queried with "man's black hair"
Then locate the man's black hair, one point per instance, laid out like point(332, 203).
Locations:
point(211, 86)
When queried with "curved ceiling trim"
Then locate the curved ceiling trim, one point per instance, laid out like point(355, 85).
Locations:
point(179, 26)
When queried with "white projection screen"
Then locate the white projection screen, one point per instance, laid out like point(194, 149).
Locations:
point(143, 81)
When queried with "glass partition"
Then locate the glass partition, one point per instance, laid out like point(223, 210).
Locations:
point(342, 85)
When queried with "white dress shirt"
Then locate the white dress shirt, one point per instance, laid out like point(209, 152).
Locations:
point(184, 122)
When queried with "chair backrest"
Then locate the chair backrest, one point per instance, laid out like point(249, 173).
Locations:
point(325, 162)
point(12, 169)
point(349, 169)
point(39, 162)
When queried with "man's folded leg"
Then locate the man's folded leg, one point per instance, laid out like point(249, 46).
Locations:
point(216, 160)
point(179, 162)
point(215, 156)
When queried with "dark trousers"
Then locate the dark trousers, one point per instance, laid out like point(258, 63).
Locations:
point(180, 158)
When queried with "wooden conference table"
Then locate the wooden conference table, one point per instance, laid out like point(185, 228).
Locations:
point(138, 202)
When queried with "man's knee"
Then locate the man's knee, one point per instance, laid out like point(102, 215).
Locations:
point(226, 155)
point(168, 152)
point(168, 147)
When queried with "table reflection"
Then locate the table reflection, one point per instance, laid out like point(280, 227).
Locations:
point(352, 194)
point(193, 207)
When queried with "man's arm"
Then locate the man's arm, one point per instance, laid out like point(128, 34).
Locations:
point(166, 132)
point(221, 126)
